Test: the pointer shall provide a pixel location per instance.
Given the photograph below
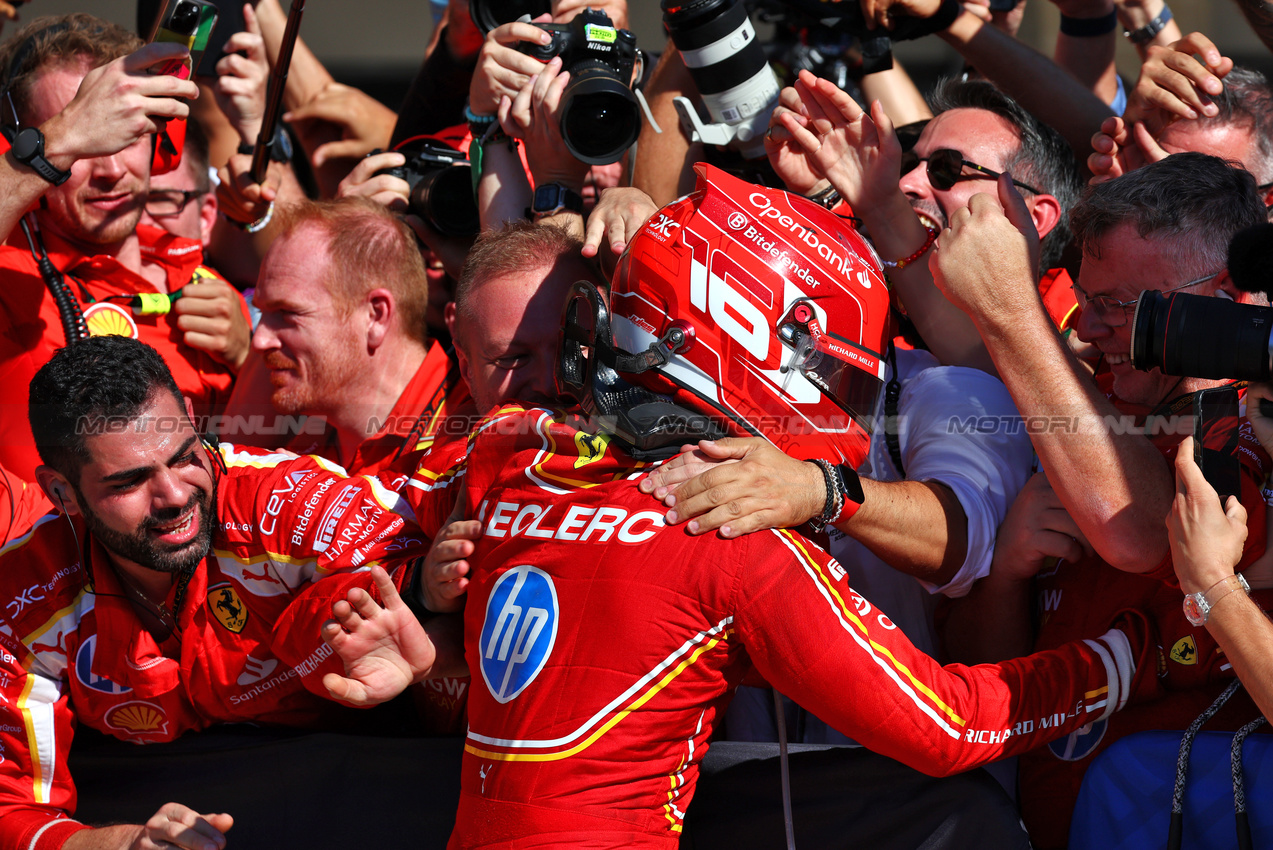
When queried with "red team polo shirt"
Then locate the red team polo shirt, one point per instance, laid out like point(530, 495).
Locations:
point(32, 329)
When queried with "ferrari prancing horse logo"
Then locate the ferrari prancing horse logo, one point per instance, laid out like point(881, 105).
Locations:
point(227, 607)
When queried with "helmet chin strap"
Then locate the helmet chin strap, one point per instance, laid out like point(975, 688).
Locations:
point(649, 426)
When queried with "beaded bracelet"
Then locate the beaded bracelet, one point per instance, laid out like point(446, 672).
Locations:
point(906, 261)
point(254, 226)
point(835, 500)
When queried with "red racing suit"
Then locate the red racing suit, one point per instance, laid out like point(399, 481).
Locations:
point(72, 649)
point(604, 648)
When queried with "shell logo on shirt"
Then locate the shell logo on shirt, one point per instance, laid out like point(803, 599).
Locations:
point(519, 631)
point(138, 718)
point(106, 319)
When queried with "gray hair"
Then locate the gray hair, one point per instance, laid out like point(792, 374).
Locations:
point(1247, 101)
point(1191, 204)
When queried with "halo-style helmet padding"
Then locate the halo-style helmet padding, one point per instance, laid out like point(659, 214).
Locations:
point(781, 309)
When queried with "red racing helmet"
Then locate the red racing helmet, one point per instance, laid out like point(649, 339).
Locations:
point(738, 309)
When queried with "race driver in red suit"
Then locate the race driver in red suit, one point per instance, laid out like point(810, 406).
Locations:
point(607, 645)
point(150, 627)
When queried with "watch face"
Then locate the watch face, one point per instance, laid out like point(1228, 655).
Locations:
point(545, 197)
point(27, 144)
point(1193, 610)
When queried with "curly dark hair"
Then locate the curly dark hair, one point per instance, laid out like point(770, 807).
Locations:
point(87, 386)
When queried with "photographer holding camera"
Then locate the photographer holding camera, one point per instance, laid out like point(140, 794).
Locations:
point(1106, 453)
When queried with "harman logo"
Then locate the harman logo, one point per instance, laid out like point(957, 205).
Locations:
point(84, 670)
point(519, 631)
point(227, 607)
point(138, 718)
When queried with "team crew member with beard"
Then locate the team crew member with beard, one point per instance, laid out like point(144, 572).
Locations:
point(343, 295)
point(145, 610)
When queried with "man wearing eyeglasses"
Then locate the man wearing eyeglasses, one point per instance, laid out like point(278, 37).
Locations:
point(210, 312)
point(1093, 529)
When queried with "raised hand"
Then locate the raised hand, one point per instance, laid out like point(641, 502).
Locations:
point(384, 649)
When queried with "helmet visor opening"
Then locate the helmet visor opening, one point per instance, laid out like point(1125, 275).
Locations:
point(853, 389)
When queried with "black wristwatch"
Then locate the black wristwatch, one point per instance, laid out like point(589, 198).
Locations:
point(27, 145)
point(280, 146)
point(552, 198)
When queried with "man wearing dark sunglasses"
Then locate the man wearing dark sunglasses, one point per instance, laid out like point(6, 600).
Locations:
point(977, 134)
point(1098, 515)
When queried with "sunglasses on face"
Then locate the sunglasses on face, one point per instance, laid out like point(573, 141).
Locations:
point(946, 168)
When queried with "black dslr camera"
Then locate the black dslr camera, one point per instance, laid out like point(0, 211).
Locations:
point(600, 116)
point(441, 187)
point(1207, 337)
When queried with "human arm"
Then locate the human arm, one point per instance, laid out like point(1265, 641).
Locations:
point(115, 106)
point(1206, 546)
point(1090, 58)
point(532, 116)
point(436, 97)
point(385, 649)
point(939, 720)
point(1135, 14)
point(897, 93)
point(234, 251)
point(306, 75)
point(993, 622)
point(336, 127)
point(917, 527)
point(1050, 93)
point(242, 74)
point(664, 161)
point(1117, 486)
point(174, 825)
